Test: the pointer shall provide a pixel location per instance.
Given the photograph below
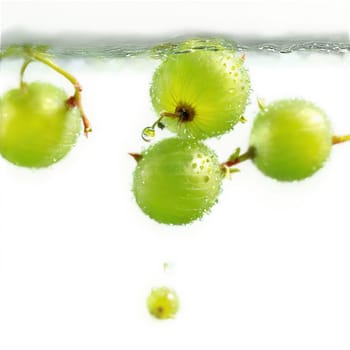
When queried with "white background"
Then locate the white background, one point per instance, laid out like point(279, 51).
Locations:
point(267, 269)
point(170, 18)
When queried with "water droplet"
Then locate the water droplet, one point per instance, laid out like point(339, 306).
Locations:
point(148, 134)
point(206, 178)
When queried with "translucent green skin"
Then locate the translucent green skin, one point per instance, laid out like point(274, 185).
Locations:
point(163, 303)
point(177, 180)
point(292, 139)
point(37, 128)
point(214, 83)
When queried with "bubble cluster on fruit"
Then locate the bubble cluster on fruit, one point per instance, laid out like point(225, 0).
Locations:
point(292, 139)
point(201, 94)
point(37, 127)
point(177, 180)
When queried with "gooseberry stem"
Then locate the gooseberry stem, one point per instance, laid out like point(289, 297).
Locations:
point(340, 139)
point(76, 99)
point(170, 114)
point(157, 121)
point(237, 158)
point(23, 68)
point(136, 156)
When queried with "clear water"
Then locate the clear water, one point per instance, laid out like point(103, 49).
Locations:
point(267, 268)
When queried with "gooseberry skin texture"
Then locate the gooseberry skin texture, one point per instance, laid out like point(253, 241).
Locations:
point(37, 127)
point(163, 303)
point(291, 139)
point(177, 180)
point(214, 84)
